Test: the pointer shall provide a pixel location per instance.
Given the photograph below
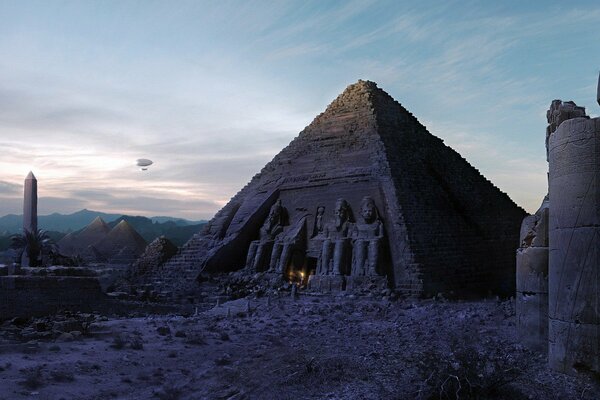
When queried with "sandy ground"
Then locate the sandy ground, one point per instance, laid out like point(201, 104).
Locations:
point(281, 348)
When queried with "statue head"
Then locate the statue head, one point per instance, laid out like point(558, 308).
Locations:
point(320, 211)
point(341, 212)
point(368, 210)
point(274, 217)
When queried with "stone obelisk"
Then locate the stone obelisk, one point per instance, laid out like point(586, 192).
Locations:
point(30, 220)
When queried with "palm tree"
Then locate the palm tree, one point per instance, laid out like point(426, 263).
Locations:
point(34, 244)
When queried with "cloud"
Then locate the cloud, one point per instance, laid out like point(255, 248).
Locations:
point(212, 92)
point(9, 188)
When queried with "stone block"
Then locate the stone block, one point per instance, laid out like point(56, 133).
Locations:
point(532, 270)
point(326, 283)
point(373, 284)
point(532, 320)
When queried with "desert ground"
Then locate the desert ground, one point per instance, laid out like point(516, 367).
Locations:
point(281, 347)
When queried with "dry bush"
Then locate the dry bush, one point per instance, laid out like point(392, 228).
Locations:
point(321, 371)
point(33, 378)
point(470, 370)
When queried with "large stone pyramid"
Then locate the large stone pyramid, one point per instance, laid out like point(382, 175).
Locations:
point(77, 242)
point(435, 223)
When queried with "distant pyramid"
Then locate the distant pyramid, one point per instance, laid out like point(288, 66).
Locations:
point(122, 242)
point(447, 228)
point(98, 243)
point(78, 243)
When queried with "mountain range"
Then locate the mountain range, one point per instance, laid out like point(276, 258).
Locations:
point(178, 230)
point(65, 223)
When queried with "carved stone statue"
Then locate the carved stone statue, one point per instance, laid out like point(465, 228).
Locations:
point(293, 238)
point(259, 252)
point(366, 237)
point(335, 253)
point(319, 223)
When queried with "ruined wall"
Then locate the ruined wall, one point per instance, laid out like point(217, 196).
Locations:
point(26, 296)
point(574, 263)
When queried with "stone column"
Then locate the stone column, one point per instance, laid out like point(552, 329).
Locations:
point(30, 221)
point(532, 281)
point(574, 260)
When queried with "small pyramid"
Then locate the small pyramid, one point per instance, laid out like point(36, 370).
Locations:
point(156, 254)
point(31, 176)
point(447, 228)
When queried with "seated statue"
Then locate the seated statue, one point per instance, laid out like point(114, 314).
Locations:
point(335, 253)
point(259, 252)
point(293, 238)
point(366, 238)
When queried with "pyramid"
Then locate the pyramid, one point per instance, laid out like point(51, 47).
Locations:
point(446, 228)
point(155, 254)
point(121, 244)
point(78, 243)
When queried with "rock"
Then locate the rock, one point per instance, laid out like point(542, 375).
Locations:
point(65, 337)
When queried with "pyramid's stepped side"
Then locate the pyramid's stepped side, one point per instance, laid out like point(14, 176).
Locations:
point(447, 227)
point(462, 229)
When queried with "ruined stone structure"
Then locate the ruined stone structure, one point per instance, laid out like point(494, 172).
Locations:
point(574, 262)
point(532, 280)
point(558, 264)
point(156, 253)
point(434, 224)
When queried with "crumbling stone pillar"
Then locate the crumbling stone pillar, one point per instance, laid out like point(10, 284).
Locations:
point(532, 281)
point(574, 259)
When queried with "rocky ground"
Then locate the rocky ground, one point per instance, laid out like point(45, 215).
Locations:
point(277, 347)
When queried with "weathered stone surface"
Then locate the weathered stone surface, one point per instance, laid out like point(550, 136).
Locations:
point(574, 261)
point(446, 227)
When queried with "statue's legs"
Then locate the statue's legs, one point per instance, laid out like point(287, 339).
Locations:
point(360, 255)
point(251, 254)
point(275, 254)
point(284, 259)
point(262, 254)
point(323, 267)
point(373, 257)
point(340, 257)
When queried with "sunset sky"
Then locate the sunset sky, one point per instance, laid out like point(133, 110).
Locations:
point(212, 90)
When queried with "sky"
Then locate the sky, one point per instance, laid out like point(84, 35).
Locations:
point(213, 90)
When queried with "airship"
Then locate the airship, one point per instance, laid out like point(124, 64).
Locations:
point(144, 163)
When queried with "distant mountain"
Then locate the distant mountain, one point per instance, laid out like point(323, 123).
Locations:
point(150, 230)
point(72, 222)
point(178, 221)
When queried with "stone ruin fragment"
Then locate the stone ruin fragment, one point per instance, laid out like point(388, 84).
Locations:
point(364, 195)
point(560, 253)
